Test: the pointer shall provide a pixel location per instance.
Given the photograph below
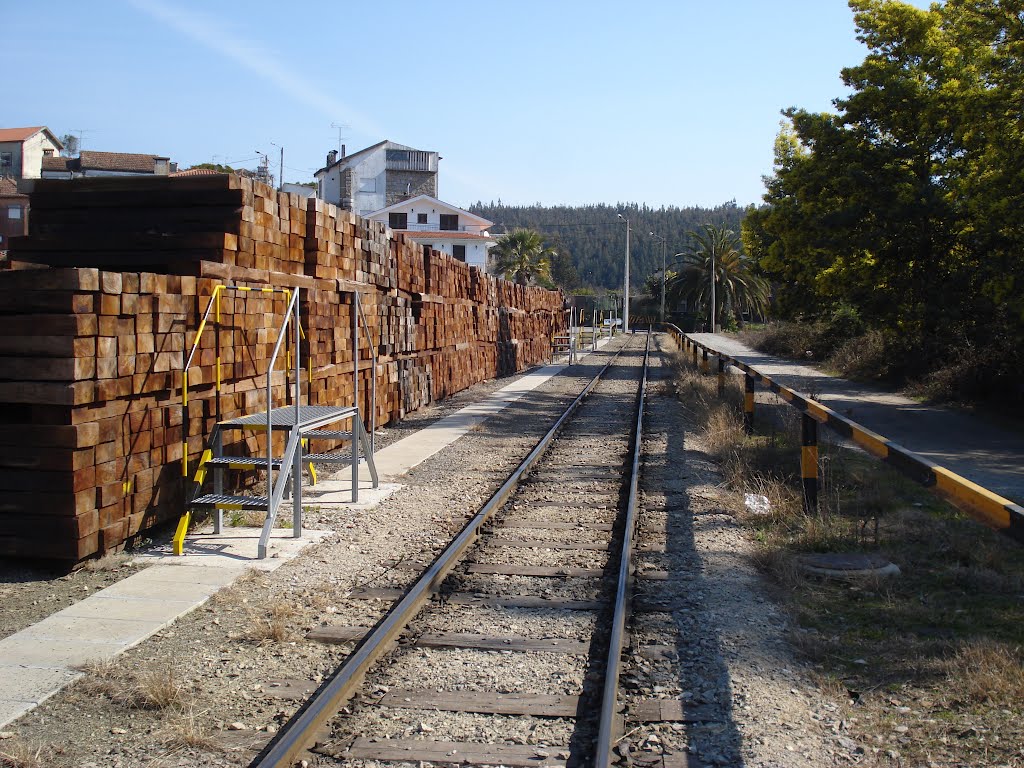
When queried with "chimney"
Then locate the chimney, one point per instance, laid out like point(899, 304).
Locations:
point(332, 157)
point(342, 151)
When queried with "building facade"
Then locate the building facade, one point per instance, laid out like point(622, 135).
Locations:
point(377, 177)
point(22, 151)
point(441, 226)
point(13, 212)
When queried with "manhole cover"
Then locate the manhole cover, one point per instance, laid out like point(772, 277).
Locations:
point(847, 565)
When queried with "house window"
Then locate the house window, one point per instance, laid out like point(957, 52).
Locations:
point(368, 185)
point(398, 220)
point(14, 212)
point(6, 161)
point(47, 153)
point(421, 218)
point(449, 222)
point(459, 252)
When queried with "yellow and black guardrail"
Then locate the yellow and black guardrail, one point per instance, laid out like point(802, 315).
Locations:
point(984, 505)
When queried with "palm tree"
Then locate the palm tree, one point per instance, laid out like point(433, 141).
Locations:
point(522, 256)
point(736, 287)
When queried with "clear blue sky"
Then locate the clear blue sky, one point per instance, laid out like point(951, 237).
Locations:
point(666, 103)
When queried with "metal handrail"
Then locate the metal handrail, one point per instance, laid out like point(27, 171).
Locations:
point(213, 305)
point(373, 381)
point(988, 507)
point(293, 306)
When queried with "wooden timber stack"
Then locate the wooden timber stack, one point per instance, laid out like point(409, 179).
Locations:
point(106, 295)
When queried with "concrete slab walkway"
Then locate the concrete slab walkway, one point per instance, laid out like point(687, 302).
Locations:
point(40, 660)
point(982, 452)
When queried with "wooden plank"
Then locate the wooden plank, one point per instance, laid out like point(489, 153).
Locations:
point(465, 753)
point(654, 575)
point(503, 569)
point(339, 635)
point(669, 711)
point(498, 643)
point(487, 702)
point(539, 544)
point(554, 526)
point(487, 601)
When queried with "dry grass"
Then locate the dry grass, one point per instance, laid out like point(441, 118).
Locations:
point(274, 625)
point(187, 730)
point(157, 688)
point(988, 672)
point(938, 648)
point(15, 753)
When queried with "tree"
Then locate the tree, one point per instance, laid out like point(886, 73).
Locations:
point(71, 145)
point(523, 256)
point(737, 289)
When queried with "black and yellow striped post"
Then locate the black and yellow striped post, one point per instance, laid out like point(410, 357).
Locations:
point(694, 346)
point(721, 375)
point(748, 404)
point(704, 361)
point(809, 461)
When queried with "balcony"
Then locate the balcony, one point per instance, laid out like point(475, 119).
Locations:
point(410, 160)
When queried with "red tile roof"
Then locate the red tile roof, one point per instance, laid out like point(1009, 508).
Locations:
point(117, 161)
point(9, 188)
point(196, 172)
point(19, 134)
point(55, 163)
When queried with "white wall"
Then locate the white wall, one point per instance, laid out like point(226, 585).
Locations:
point(32, 155)
point(433, 212)
point(370, 174)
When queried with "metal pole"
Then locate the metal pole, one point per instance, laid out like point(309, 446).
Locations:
point(712, 291)
point(748, 404)
point(809, 461)
point(356, 418)
point(625, 296)
point(664, 275)
point(297, 463)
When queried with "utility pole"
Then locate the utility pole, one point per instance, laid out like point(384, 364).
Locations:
point(280, 178)
point(625, 290)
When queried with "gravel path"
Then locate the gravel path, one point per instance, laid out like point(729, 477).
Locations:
point(240, 664)
point(980, 451)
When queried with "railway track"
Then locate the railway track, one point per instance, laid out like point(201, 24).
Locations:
point(507, 648)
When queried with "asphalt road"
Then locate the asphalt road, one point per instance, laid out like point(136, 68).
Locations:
point(982, 452)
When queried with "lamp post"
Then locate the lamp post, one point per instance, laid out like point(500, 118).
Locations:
point(664, 256)
point(712, 290)
point(625, 289)
point(280, 181)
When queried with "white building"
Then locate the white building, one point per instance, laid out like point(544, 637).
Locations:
point(22, 151)
point(376, 177)
point(441, 226)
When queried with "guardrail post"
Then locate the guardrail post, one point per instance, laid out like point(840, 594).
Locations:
point(809, 461)
point(704, 361)
point(721, 375)
point(748, 404)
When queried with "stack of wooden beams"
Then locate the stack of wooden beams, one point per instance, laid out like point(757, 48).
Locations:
point(92, 350)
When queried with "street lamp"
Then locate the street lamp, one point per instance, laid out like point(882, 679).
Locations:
point(625, 291)
point(664, 252)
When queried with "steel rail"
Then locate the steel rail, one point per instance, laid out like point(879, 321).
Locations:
point(294, 737)
point(623, 589)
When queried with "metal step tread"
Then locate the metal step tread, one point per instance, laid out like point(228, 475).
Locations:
point(308, 417)
point(327, 434)
point(227, 501)
point(242, 461)
point(339, 457)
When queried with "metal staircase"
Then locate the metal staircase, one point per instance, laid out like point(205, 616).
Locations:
point(302, 426)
